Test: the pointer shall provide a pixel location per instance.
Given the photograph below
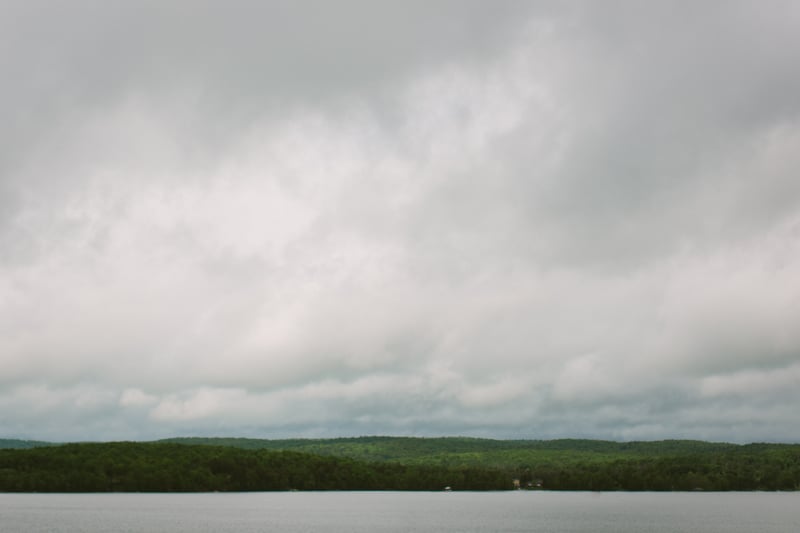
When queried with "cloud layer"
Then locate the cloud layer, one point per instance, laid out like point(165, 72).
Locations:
point(289, 219)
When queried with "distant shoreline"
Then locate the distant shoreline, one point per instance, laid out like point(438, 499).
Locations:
point(202, 464)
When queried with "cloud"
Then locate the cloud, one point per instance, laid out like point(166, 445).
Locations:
point(535, 220)
point(136, 398)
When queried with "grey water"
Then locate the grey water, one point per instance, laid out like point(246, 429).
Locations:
point(335, 512)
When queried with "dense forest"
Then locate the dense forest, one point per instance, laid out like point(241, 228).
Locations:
point(164, 467)
point(573, 464)
point(397, 463)
point(465, 451)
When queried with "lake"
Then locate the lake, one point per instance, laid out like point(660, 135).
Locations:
point(334, 512)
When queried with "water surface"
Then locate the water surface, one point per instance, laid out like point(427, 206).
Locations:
point(340, 512)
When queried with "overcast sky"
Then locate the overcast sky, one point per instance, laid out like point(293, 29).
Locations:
point(498, 219)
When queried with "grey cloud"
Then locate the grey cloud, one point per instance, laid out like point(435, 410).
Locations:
point(240, 58)
point(663, 103)
point(524, 220)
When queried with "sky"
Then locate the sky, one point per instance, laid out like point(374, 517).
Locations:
point(321, 219)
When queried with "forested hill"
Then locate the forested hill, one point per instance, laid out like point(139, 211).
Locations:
point(163, 467)
point(21, 444)
point(572, 464)
point(472, 451)
point(399, 463)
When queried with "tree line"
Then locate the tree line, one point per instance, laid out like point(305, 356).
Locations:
point(572, 464)
point(391, 463)
point(729, 471)
point(165, 467)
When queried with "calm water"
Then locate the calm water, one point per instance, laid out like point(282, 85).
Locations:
point(340, 512)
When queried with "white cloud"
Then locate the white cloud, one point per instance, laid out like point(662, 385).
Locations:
point(133, 397)
point(548, 221)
